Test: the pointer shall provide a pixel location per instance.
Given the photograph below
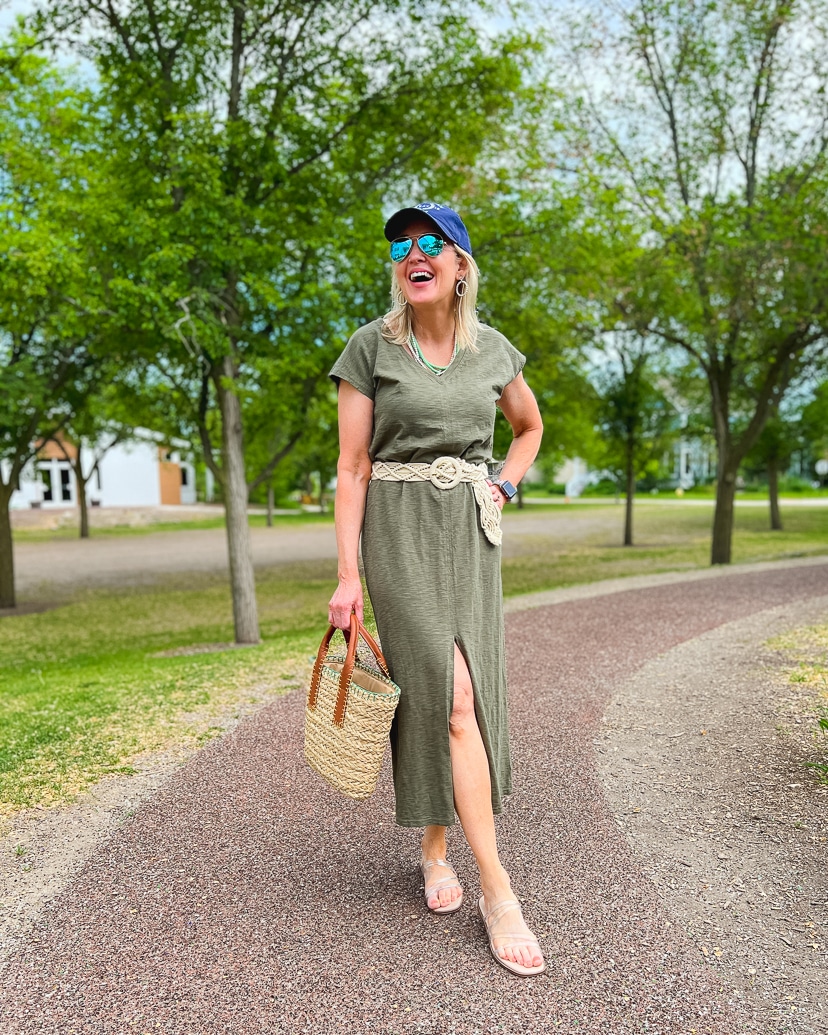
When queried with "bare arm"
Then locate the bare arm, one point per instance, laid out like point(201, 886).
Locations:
point(353, 472)
point(520, 408)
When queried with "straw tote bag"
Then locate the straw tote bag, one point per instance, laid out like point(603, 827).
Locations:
point(348, 715)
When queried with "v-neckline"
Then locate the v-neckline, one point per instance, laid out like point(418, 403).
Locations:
point(430, 373)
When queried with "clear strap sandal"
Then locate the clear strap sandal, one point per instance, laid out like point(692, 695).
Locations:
point(451, 881)
point(506, 938)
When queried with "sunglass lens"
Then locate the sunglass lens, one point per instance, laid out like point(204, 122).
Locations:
point(400, 248)
point(431, 244)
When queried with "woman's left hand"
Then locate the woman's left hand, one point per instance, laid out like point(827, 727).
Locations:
point(497, 496)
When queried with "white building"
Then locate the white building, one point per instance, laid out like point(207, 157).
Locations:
point(144, 471)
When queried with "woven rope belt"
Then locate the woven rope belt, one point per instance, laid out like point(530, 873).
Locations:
point(446, 472)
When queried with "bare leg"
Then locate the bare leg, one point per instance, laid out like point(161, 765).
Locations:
point(473, 801)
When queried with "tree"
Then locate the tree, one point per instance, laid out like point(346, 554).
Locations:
point(716, 144)
point(259, 142)
point(318, 451)
point(47, 339)
point(635, 418)
point(814, 427)
point(527, 242)
point(772, 452)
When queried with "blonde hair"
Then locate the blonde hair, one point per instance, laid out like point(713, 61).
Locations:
point(397, 325)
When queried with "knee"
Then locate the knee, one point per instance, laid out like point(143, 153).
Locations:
point(462, 711)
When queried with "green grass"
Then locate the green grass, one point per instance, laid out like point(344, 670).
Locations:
point(666, 539)
point(83, 694)
point(754, 492)
point(807, 650)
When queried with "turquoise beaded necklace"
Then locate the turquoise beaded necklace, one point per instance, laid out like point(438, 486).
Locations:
point(417, 352)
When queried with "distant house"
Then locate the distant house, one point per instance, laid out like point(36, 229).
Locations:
point(691, 461)
point(144, 471)
point(694, 463)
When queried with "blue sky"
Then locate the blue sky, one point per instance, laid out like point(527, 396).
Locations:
point(10, 9)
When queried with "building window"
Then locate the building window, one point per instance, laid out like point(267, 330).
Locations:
point(185, 478)
point(65, 486)
point(45, 474)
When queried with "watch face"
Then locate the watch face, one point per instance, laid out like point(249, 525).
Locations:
point(508, 490)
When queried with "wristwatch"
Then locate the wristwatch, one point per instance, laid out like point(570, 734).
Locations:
point(508, 490)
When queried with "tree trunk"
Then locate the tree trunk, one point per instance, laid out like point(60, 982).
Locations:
point(239, 546)
point(270, 506)
point(773, 494)
point(723, 516)
point(7, 598)
point(520, 500)
point(628, 509)
point(83, 503)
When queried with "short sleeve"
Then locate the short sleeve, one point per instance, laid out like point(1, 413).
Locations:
point(357, 361)
point(508, 362)
point(516, 359)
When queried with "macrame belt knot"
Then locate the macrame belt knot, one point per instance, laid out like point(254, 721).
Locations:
point(447, 472)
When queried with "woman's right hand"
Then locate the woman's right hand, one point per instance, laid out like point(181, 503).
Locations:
point(347, 598)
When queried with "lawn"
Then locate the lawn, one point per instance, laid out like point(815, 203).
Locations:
point(807, 652)
point(667, 538)
point(84, 692)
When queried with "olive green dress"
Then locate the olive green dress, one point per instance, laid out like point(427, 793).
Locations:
point(432, 576)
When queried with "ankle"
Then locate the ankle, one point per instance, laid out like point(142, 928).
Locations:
point(433, 848)
point(495, 885)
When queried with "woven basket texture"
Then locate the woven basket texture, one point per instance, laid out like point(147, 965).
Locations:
point(349, 757)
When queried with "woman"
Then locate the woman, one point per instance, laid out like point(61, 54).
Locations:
point(418, 386)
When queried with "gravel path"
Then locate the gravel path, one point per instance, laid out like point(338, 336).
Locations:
point(246, 898)
point(701, 757)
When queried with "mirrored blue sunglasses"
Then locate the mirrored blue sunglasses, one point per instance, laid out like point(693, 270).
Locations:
point(429, 244)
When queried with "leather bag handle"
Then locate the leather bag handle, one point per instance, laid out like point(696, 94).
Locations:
point(352, 636)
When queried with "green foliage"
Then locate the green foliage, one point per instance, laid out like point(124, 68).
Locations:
point(813, 425)
point(318, 451)
point(637, 423)
point(47, 337)
point(251, 150)
point(808, 648)
point(822, 727)
point(55, 207)
point(702, 152)
point(776, 443)
point(256, 147)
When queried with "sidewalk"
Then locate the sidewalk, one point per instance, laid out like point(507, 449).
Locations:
point(247, 898)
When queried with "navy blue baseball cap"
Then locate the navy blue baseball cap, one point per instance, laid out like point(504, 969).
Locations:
point(445, 219)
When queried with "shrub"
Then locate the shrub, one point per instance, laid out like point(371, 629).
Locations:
point(604, 487)
point(821, 767)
